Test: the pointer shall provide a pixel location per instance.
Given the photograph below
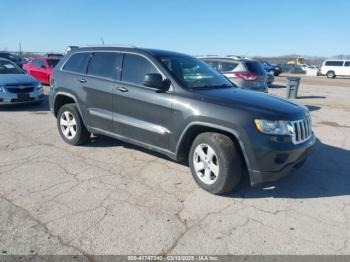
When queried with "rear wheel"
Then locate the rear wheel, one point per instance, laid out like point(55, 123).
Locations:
point(71, 126)
point(215, 163)
point(330, 74)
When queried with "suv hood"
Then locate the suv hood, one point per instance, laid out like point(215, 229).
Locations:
point(272, 107)
point(16, 79)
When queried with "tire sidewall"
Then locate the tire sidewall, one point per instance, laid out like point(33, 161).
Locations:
point(330, 74)
point(72, 108)
point(229, 166)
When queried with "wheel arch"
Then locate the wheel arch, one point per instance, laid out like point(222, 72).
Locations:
point(194, 129)
point(62, 98)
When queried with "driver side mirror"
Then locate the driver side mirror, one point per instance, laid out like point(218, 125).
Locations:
point(156, 81)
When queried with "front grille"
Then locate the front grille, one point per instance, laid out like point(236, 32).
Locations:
point(302, 130)
point(20, 89)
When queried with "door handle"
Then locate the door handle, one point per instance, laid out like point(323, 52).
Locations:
point(82, 80)
point(123, 89)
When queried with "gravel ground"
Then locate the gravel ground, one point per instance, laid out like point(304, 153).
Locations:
point(109, 197)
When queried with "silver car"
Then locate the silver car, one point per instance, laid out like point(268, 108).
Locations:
point(17, 87)
point(245, 73)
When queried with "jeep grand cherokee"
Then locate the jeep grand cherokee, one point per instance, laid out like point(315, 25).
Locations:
point(177, 105)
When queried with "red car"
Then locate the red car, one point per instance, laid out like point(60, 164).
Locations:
point(41, 68)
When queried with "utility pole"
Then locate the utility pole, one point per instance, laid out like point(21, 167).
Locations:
point(20, 49)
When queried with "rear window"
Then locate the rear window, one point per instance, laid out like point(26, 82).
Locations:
point(52, 62)
point(334, 63)
point(104, 64)
point(255, 67)
point(38, 63)
point(227, 66)
point(77, 63)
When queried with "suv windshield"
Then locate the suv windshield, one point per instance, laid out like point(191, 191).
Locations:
point(52, 62)
point(7, 67)
point(194, 73)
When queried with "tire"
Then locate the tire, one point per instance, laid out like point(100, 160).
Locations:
point(330, 74)
point(76, 132)
point(225, 167)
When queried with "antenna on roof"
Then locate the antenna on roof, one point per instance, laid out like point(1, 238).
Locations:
point(102, 41)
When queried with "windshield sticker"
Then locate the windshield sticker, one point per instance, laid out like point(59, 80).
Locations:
point(9, 66)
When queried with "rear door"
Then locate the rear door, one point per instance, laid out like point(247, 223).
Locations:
point(141, 113)
point(98, 85)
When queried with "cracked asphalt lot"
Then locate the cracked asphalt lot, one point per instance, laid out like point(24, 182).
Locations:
point(109, 197)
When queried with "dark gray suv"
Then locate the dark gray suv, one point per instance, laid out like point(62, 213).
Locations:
point(178, 105)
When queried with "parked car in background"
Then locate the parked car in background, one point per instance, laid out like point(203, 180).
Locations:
point(177, 105)
point(275, 69)
point(270, 78)
point(304, 67)
point(245, 73)
point(291, 68)
point(55, 55)
point(16, 86)
point(12, 57)
point(333, 67)
point(41, 68)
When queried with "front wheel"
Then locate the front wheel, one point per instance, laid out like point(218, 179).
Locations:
point(215, 162)
point(71, 126)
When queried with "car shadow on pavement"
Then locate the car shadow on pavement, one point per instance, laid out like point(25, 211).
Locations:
point(311, 97)
point(277, 86)
point(43, 107)
point(313, 108)
point(105, 141)
point(326, 173)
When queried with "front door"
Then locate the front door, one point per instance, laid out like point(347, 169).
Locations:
point(141, 113)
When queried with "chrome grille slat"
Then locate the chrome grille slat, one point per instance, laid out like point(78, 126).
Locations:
point(302, 130)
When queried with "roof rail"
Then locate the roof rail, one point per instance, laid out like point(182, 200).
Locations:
point(235, 56)
point(112, 45)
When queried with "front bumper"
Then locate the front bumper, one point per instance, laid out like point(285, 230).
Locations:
point(280, 163)
point(8, 98)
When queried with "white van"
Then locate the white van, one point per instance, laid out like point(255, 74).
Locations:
point(332, 68)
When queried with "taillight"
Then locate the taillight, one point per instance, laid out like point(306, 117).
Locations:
point(246, 76)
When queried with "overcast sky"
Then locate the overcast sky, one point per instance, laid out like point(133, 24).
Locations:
point(309, 27)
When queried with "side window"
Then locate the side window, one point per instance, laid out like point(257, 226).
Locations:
point(77, 63)
point(38, 63)
point(213, 64)
point(347, 63)
point(105, 64)
point(334, 63)
point(227, 67)
point(135, 67)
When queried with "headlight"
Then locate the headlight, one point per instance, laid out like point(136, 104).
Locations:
point(2, 89)
point(277, 127)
